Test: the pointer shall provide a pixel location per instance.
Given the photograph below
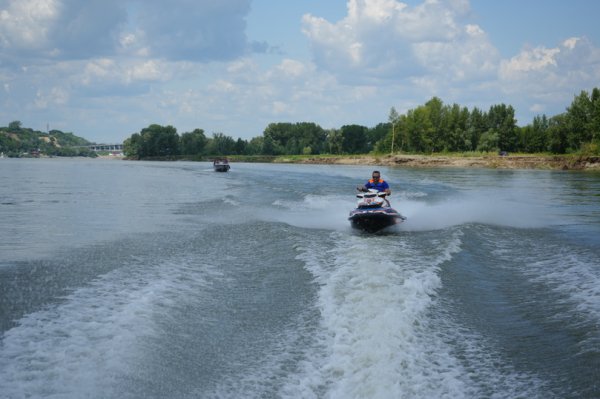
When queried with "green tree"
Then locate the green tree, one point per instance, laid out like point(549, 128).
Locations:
point(476, 126)
point(583, 119)
point(193, 143)
point(278, 134)
point(436, 134)
point(221, 144)
point(14, 126)
point(419, 130)
point(132, 146)
point(309, 135)
point(335, 141)
point(255, 146)
point(501, 119)
point(152, 141)
point(558, 134)
point(454, 123)
point(159, 141)
point(240, 146)
point(288, 138)
point(595, 122)
point(378, 137)
point(488, 141)
point(354, 139)
point(534, 137)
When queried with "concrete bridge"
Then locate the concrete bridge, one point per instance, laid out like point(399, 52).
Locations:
point(106, 147)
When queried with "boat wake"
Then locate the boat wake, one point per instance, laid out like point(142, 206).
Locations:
point(380, 333)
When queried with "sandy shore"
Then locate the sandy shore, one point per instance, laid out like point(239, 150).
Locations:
point(556, 162)
point(547, 162)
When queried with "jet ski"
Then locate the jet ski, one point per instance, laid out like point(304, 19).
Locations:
point(373, 212)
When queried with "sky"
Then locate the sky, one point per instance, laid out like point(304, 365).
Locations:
point(105, 69)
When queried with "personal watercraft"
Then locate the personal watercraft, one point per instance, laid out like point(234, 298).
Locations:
point(373, 212)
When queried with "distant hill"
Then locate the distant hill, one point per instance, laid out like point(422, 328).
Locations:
point(17, 141)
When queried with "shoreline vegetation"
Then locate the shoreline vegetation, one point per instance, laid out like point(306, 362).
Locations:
point(490, 161)
point(432, 135)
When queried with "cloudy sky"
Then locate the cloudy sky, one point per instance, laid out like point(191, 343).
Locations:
point(105, 69)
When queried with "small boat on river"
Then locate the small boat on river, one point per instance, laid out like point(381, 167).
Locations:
point(221, 165)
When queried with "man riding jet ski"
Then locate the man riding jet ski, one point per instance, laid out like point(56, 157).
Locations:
point(373, 211)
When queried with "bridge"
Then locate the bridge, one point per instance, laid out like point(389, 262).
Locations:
point(106, 147)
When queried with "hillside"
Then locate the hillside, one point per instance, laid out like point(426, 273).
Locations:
point(16, 141)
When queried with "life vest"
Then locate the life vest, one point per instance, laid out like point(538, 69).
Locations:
point(380, 185)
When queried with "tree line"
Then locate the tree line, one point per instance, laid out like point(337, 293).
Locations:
point(430, 128)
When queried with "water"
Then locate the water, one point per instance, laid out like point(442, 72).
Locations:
point(150, 280)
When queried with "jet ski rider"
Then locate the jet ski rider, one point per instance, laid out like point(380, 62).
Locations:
point(376, 183)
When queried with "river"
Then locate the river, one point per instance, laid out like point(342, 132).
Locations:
point(127, 279)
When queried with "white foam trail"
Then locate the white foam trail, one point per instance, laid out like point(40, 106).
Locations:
point(376, 341)
point(383, 334)
point(313, 211)
point(82, 347)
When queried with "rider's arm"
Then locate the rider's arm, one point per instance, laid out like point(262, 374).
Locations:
point(387, 189)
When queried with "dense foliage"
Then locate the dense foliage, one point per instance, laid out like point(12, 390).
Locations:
point(430, 128)
point(17, 141)
point(435, 127)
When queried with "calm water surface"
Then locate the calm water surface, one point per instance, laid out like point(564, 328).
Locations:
point(150, 280)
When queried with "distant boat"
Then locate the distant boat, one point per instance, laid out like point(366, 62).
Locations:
point(221, 165)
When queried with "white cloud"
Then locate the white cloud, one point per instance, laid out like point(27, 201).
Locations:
point(98, 69)
point(292, 68)
point(573, 63)
point(544, 79)
point(55, 96)
point(279, 107)
point(571, 42)
point(59, 29)
point(387, 39)
point(202, 30)
point(26, 23)
point(147, 71)
point(101, 72)
point(537, 59)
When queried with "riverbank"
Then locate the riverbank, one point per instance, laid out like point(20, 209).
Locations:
point(490, 161)
point(549, 162)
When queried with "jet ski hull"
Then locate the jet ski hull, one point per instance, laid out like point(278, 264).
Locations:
point(374, 219)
